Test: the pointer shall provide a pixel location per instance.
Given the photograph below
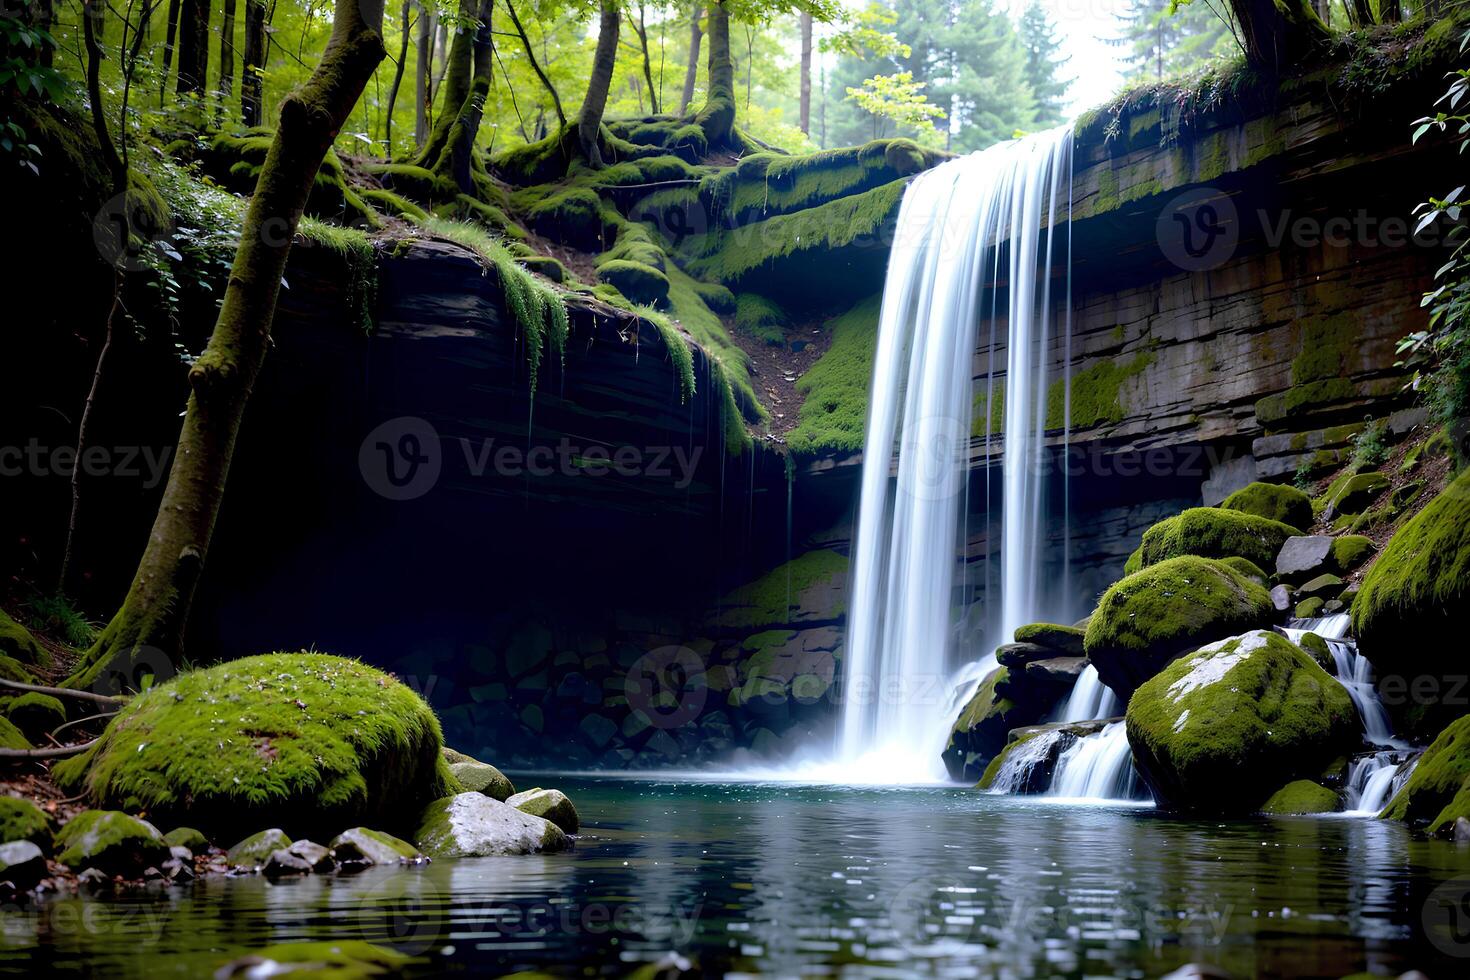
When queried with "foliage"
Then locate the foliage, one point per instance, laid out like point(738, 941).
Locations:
point(898, 99)
point(1370, 446)
point(1165, 38)
point(835, 389)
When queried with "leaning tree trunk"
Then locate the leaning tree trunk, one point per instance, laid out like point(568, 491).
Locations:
point(193, 47)
point(536, 65)
point(1278, 33)
point(806, 72)
point(397, 78)
point(691, 72)
point(456, 160)
point(455, 87)
point(717, 117)
point(253, 62)
point(604, 59)
point(153, 616)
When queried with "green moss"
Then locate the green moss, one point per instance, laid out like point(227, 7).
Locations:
point(534, 163)
point(360, 260)
point(834, 412)
point(780, 596)
point(112, 842)
point(545, 265)
point(23, 820)
point(254, 851)
point(635, 244)
point(393, 204)
point(1050, 635)
point(1309, 608)
point(1096, 393)
point(1273, 501)
point(574, 216)
point(642, 284)
point(730, 255)
point(549, 804)
point(316, 740)
point(1219, 730)
point(717, 297)
point(1299, 400)
point(418, 183)
point(188, 837)
point(1353, 494)
point(338, 959)
point(1211, 532)
point(761, 318)
point(987, 779)
point(1302, 796)
point(35, 713)
point(1152, 616)
point(467, 208)
point(536, 308)
point(1247, 568)
point(235, 157)
point(1350, 551)
point(12, 737)
point(17, 643)
point(731, 363)
point(676, 347)
point(1437, 793)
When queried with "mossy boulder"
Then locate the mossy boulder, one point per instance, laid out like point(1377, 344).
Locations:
point(112, 842)
point(23, 820)
point(254, 851)
point(188, 838)
point(1410, 612)
point(1351, 550)
point(309, 740)
point(1355, 495)
point(1153, 616)
point(1220, 730)
point(548, 804)
point(1249, 569)
point(1437, 792)
point(474, 825)
point(361, 847)
point(572, 217)
point(35, 713)
point(12, 737)
point(19, 644)
point(1210, 532)
point(1309, 608)
point(1302, 796)
point(481, 777)
point(640, 283)
point(1284, 504)
point(1063, 639)
point(22, 865)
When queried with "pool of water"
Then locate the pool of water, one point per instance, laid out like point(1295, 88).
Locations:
point(801, 880)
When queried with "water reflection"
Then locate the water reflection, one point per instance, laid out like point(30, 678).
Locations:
point(790, 879)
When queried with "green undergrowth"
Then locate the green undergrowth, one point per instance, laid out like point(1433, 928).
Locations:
point(761, 318)
point(537, 308)
point(235, 158)
point(688, 307)
point(834, 409)
point(770, 599)
point(360, 259)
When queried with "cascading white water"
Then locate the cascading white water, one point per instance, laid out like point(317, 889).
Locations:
point(1355, 674)
point(1373, 779)
point(1090, 699)
point(1098, 767)
point(991, 216)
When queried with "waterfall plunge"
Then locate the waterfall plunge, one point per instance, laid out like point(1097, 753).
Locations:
point(901, 646)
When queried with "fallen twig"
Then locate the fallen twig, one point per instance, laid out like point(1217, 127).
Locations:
point(62, 692)
point(56, 753)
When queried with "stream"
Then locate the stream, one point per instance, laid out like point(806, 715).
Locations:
point(789, 879)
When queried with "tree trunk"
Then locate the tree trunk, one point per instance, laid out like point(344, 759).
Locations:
point(589, 117)
point(691, 72)
point(423, 71)
point(193, 47)
point(156, 610)
point(455, 87)
point(806, 72)
point(640, 27)
point(536, 65)
point(170, 35)
point(717, 117)
point(397, 77)
point(253, 62)
point(227, 53)
point(457, 160)
point(1278, 33)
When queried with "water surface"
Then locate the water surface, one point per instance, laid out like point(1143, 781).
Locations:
point(789, 880)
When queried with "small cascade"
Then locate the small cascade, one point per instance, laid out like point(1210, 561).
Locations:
point(1354, 673)
point(1024, 770)
point(1372, 780)
point(1098, 767)
point(1090, 699)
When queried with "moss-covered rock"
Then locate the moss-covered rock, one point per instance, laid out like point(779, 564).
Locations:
point(23, 820)
point(112, 842)
point(1064, 639)
point(1153, 616)
point(12, 737)
point(473, 825)
point(984, 724)
point(481, 777)
point(1309, 608)
point(310, 740)
point(1351, 550)
point(1210, 532)
point(360, 847)
point(1410, 612)
point(1276, 502)
point(189, 838)
point(254, 851)
point(809, 589)
point(833, 415)
point(548, 804)
point(1355, 494)
point(1220, 730)
point(35, 713)
point(1316, 648)
point(573, 216)
point(1249, 569)
point(1302, 796)
point(1437, 792)
point(640, 283)
point(17, 643)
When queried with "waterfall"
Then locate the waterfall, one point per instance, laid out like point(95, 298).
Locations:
point(1098, 767)
point(990, 217)
point(1090, 699)
point(1355, 674)
point(1372, 780)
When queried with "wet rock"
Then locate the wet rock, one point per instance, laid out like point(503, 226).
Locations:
point(284, 864)
point(92, 879)
point(319, 858)
point(23, 820)
point(1322, 586)
point(1462, 831)
point(474, 825)
point(1274, 501)
point(22, 864)
point(1281, 598)
point(1066, 639)
point(361, 848)
point(339, 958)
point(112, 842)
point(548, 804)
point(1021, 654)
point(187, 837)
point(1355, 495)
point(35, 714)
point(1309, 608)
point(984, 723)
point(1302, 796)
point(255, 850)
point(481, 777)
point(1302, 557)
